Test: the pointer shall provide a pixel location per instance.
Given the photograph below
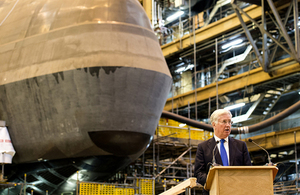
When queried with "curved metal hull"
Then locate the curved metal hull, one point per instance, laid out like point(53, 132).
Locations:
point(54, 116)
point(80, 79)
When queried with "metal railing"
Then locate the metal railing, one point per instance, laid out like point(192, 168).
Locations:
point(168, 34)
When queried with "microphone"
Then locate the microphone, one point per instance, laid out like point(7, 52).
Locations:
point(214, 158)
point(268, 164)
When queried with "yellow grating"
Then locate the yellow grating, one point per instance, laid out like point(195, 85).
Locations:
point(146, 186)
point(124, 191)
point(89, 189)
point(103, 189)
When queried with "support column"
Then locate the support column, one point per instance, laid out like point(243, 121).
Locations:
point(148, 6)
point(266, 62)
point(296, 24)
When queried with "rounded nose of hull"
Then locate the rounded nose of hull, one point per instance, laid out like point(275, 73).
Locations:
point(121, 143)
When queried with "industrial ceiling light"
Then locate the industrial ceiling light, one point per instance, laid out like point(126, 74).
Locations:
point(234, 106)
point(174, 16)
point(190, 66)
point(180, 70)
point(232, 43)
point(283, 153)
point(291, 152)
point(185, 68)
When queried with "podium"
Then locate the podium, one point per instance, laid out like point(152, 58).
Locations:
point(236, 180)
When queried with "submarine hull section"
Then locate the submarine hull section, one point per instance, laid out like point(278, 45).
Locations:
point(79, 79)
point(83, 112)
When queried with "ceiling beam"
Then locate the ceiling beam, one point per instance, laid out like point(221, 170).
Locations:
point(208, 32)
point(275, 139)
point(233, 83)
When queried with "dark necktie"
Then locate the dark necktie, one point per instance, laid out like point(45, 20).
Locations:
point(223, 153)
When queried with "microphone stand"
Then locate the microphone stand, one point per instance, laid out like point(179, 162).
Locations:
point(214, 158)
point(268, 164)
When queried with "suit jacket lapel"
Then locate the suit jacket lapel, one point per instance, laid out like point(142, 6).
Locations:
point(211, 144)
point(231, 144)
point(218, 157)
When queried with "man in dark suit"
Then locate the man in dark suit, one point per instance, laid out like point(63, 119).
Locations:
point(229, 151)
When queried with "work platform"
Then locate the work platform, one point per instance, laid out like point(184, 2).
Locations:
point(208, 32)
point(281, 68)
point(234, 83)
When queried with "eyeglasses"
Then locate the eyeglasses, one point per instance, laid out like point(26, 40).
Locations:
point(226, 122)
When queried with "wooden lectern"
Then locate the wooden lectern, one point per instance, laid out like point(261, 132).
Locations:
point(224, 180)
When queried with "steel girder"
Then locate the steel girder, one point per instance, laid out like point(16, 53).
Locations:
point(266, 56)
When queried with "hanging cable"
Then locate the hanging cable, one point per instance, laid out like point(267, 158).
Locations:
point(239, 130)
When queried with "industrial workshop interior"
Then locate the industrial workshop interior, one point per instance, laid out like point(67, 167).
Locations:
point(112, 97)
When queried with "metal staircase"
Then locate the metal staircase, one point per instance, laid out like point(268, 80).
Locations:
point(267, 102)
point(263, 105)
point(232, 61)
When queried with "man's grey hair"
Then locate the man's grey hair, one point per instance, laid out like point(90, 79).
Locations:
point(215, 115)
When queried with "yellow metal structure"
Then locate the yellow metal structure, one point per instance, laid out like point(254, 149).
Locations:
point(233, 83)
point(213, 30)
point(124, 191)
point(275, 139)
point(171, 128)
point(147, 5)
point(145, 186)
point(210, 31)
point(103, 189)
point(89, 189)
